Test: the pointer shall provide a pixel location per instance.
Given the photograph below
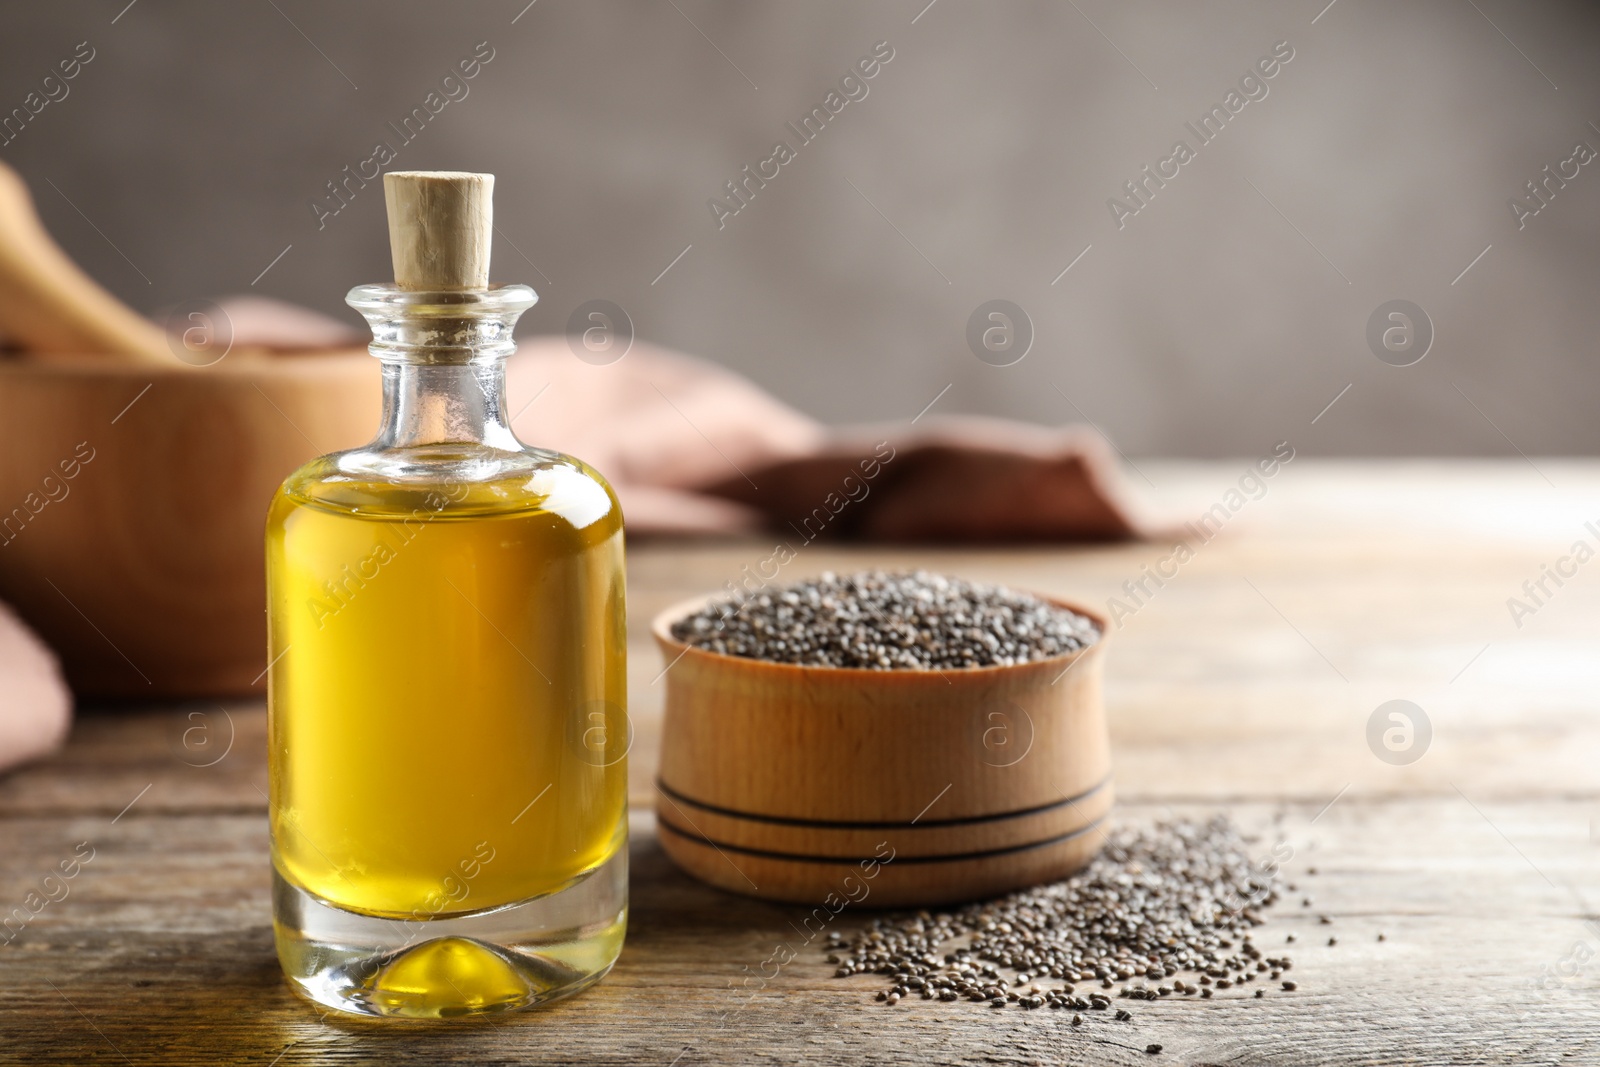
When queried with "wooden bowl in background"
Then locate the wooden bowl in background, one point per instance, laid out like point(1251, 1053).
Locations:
point(144, 568)
point(793, 783)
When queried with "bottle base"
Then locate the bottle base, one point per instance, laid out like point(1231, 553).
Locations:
point(513, 957)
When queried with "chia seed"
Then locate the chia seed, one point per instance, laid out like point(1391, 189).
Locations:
point(1161, 901)
point(877, 621)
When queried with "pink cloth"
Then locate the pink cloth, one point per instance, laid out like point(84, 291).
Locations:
point(692, 448)
point(35, 706)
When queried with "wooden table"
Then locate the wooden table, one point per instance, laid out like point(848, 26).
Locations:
point(1244, 684)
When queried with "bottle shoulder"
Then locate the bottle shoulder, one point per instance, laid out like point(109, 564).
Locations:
point(451, 481)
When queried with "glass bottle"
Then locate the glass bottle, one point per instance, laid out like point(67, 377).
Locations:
point(447, 689)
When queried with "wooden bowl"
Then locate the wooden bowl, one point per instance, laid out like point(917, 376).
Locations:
point(133, 501)
point(885, 788)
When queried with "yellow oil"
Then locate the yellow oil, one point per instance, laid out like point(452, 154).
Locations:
point(447, 687)
point(449, 976)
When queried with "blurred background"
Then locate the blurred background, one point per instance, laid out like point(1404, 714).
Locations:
point(195, 155)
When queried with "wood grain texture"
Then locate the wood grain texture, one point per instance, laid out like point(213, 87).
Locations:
point(1479, 862)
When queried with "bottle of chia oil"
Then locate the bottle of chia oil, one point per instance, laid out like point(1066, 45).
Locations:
point(447, 685)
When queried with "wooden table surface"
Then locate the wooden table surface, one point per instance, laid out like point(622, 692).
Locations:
point(1244, 685)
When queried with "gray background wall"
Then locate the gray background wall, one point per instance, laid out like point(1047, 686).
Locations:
point(1222, 318)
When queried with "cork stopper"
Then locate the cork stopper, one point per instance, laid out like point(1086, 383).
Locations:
point(440, 222)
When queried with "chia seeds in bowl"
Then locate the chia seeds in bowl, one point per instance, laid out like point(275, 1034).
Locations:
point(873, 620)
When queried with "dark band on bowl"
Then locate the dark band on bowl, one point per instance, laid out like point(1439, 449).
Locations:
point(955, 857)
point(842, 824)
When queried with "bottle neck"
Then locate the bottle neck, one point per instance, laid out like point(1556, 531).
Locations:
point(443, 362)
point(429, 404)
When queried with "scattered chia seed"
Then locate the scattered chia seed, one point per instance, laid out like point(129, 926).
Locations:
point(1176, 898)
point(877, 621)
